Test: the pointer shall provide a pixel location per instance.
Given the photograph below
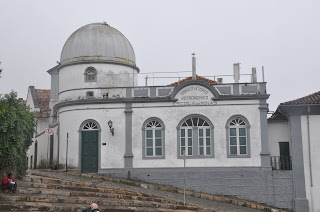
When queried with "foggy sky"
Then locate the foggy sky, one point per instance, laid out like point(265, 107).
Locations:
point(283, 36)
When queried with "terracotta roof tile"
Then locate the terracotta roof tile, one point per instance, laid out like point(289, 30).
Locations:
point(307, 100)
point(311, 99)
point(43, 99)
point(198, 78)
point(277, 116)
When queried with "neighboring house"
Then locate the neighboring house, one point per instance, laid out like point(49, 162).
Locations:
point(39, 153)
point(294, 133)
point(104, 122)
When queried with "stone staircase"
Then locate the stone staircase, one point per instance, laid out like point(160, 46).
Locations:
point(40, 193)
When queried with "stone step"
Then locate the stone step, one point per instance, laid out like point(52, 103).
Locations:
point(45, 182)
point(75, 188)
point(37, 188)
point(115, 195)
point(80, 187)
point(66, 191)
point(103, 201)
point(58, 207)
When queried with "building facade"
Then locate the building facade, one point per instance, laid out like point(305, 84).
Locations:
point(104, 122)
point(293, 132)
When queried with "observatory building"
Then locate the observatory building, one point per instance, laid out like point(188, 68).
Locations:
point(102, 122)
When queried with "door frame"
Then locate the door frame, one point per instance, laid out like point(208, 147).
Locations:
point(288, 147)
point(80, 143)
point(35, 155)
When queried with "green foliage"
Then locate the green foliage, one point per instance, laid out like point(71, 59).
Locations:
point(16, 131)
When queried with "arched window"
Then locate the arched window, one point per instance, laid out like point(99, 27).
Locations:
point(195, 137)
point(90, 75)
point(238, 137)
point(89, 126)
point(153, 139)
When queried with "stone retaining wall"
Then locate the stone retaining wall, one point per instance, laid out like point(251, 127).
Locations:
point(262, 185)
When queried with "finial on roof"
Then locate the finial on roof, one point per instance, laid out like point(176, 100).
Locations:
point(194, 74)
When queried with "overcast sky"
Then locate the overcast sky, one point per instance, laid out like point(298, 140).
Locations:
point(283, 36)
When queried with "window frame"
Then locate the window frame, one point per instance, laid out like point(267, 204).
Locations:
point(248, 146)
point(195, 137)
point(86, 74)
point(88, 94)
point(144, 136)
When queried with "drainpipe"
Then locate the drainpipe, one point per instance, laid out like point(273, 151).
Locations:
point(310, 162)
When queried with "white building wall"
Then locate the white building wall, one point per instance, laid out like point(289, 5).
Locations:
point(42, 139)
point(30, 102)
point(55, 144)
point(313, 192)
point(108, 75)
point(278, 132)
point(112, 153)
point(70, 120)
point(218, 115)
point(30, 152)
point(42, 125)
point(43, 152)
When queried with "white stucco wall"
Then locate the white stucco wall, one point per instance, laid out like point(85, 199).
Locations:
point(42, 139)
point(278, 132)
point(70, 121)
point(30, 152)
point(113, 93)
point(30, 102)
point(42, 125)
point(313, 192)
point(43, 154)
point(108, 75)
point(112, 153)
point(218, 115)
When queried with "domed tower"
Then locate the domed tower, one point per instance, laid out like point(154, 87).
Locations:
point(96, 57)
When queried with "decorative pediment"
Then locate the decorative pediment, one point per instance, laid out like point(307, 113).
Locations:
point(194, 93)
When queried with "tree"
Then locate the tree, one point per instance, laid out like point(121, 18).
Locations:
point(17, 126)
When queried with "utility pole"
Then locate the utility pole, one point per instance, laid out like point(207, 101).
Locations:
point(184, 177)
point(67, 153)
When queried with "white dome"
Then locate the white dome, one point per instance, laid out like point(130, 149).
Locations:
point(98, 42)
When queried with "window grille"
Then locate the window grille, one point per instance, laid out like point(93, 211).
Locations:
point(237, 137)
point(90, 126)
point(90, 74)
point(153, 139)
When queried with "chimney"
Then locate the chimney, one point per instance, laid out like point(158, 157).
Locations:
point(194, 75)
point(236, 72)
point(254, 75)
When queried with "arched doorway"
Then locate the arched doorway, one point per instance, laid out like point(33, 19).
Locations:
point(89, 152)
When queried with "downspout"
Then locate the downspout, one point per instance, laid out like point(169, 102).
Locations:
point(310, 162)
point(58, 138)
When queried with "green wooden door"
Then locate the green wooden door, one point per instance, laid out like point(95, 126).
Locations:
point(89, 152)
